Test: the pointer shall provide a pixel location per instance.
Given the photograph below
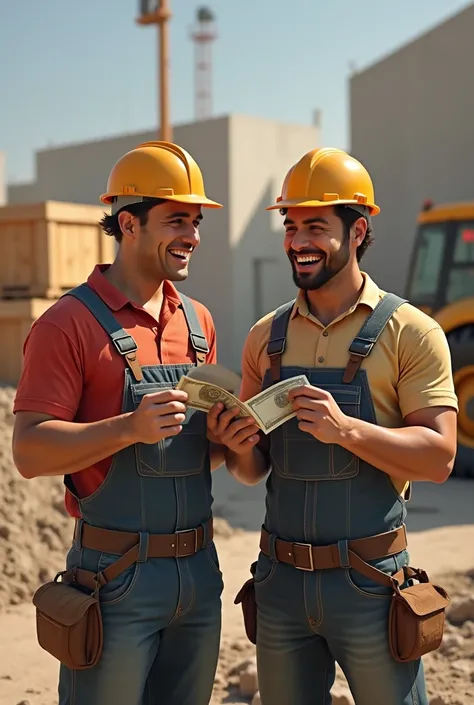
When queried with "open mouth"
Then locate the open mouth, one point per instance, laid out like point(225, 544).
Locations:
point(180, 255)
point(306, 261)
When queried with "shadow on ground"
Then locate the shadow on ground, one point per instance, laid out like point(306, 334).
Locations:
point(431, 506)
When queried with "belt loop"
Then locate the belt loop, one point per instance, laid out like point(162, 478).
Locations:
point(343, 550)
point(271, 548)
point(77, 540)
point(143, 547)
point(205, 534)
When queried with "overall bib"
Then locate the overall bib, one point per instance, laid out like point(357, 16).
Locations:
point(320, 494)
point(161, 615)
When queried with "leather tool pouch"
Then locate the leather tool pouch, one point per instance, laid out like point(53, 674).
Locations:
point(417, 618)
point(246, 597)
point(69, 624)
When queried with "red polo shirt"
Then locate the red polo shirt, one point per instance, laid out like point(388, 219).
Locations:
point(73, 372)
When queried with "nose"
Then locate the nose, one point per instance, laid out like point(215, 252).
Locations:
point(191, 237)
point(301, 241)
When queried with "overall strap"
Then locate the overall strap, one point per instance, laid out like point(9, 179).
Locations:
point(276, 344)
point(123, 342)
point(196, 334)
point(370, 332)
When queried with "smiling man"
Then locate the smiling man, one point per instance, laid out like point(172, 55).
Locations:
point(379, 413)
point(96, 404)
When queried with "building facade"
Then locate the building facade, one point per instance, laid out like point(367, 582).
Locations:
point(240, 271)
point(3, 185)
point(412, 118)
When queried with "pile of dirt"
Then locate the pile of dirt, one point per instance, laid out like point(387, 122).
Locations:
point(449, 671)
point(35, 531)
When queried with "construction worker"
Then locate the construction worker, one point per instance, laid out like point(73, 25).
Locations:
point(378, 414)
point(96, 403)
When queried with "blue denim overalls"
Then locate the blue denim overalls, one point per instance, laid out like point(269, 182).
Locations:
point(321, 494)
point(162, 615)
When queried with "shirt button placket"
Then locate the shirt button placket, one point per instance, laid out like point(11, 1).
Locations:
point(322, 347)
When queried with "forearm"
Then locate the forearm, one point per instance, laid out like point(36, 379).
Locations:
point(217, 453)
point(248, 468)
point(56, 447)
point(413, 453)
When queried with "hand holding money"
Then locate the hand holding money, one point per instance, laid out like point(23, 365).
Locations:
point(319, 414)
point(240, 435)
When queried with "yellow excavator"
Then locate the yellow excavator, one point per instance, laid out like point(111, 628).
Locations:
point(441, 283)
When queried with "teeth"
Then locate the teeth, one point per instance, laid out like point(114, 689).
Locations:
point(181, 253)
point(303, 259)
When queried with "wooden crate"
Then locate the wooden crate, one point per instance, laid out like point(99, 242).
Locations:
point(48, 248)
point(16, 318)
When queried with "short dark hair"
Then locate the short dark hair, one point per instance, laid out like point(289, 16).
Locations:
point(349, 216)
point(110, 223)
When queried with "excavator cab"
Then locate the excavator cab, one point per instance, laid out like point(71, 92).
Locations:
point(441, 283)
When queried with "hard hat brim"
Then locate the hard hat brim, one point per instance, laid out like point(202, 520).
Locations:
point(296, 203)
point(187, 198)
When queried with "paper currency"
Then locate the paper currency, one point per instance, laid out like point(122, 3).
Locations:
point(216, 374)
point(270, 408)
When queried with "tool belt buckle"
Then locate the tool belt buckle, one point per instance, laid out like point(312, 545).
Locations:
point(310, 556)
point(178, 542)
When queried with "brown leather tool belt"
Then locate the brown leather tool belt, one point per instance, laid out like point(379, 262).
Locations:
point(304, 556)
point(68, 621)
point(181, 544)
point(417, 609)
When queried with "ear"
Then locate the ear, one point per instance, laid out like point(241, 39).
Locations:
point(359, 231)
point(126, 223)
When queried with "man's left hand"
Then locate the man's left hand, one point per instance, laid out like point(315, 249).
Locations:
point(319, 414)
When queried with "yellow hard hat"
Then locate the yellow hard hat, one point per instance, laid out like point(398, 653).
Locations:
point(156, 170)
point(327, 177)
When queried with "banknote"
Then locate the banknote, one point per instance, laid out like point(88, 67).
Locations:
point(217, 374)
point(269, 408)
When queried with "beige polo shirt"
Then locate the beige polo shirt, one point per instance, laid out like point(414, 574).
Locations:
point(408, 369)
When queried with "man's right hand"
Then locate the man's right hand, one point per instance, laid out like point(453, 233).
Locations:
point(238, 435)
point(159, 415)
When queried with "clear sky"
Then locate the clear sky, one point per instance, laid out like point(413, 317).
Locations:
point(73, 70)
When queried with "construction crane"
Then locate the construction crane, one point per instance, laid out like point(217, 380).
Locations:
point(157, 12)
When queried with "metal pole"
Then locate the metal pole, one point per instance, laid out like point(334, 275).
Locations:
point(166, 131)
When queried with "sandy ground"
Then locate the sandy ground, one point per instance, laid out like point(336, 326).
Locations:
point(441, 527)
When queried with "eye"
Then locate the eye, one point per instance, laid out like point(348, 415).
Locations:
point(176, 223)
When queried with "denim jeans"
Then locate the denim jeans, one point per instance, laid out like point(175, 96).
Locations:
point(162, 624)
point(309, 620)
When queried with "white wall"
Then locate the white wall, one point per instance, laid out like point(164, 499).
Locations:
point(261, 152)
point(412, 118)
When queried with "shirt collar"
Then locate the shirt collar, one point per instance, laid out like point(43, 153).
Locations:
point(116, 300)
point(369, 296)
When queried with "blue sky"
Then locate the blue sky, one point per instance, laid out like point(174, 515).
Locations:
point(74, 70)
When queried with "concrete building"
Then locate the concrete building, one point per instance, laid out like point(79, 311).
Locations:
point(3, 184)
point(412, 125)
point(239, 271)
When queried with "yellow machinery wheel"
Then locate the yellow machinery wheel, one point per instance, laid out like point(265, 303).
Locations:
point(464, 383)
point(462, 354)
